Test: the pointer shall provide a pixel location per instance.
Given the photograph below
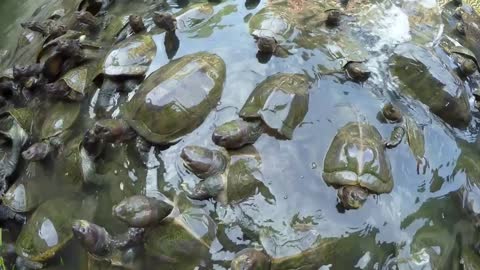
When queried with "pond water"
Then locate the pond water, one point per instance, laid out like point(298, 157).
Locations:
point(420, 224)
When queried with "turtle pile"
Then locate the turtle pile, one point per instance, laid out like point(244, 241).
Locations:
point(242, 134)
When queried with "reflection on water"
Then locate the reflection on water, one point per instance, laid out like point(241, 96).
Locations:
point(418, 225)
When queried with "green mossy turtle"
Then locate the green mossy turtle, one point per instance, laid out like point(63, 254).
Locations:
point(124, 67)
point(325, 251)
point(56, 129)
point(72, 86)
point(173, 231)
point(423, 76)
point(277, 104)
point(357, 161)
point(48, 230)
point(102, 246)
point(414, 134)
point(227, 177)
point(187, 88)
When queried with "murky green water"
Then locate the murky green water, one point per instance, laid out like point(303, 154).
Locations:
point(419, 225)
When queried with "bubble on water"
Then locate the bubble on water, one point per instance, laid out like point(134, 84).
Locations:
point(115, 172)
point(314, 165)
point(285, 197)
point(302, 177)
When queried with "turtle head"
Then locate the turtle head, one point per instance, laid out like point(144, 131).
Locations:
point(136, 23)
point(37, 151)
point(230, 135)
point(352, 197)
point(468, 67)
point(202, 161)
point(85, 232)
point(165, 21)
point(141, 211)
point(94, 239)
point(250, 259)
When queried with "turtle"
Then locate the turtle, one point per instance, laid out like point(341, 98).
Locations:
point(72, 86)
point(173, 230)
point(409, 127)
point(187, 88)
point(465, 59)
point(227, 177)
point(49, 28)
point(15, 128)
point(102, 246)
point(48, 230)
point(277, 104)
point(468, 27)
point(124, 67)
point(56, 129)
point(29, 190)
point(270, 27)
point(356, 160)
point(323, 252)
point(422, 75)
point(141, 211)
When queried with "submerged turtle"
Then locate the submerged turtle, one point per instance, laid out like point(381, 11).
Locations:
point(48, 230)
point(228, 177)
point(172, 233)
point(357, 162)
point(465, 59)
point(125, 66)
point(414, 134)
point(187, 88)
point(102, 246)
point(56, 128)
point(270, 27)
point(325, 252)
point(14, 133)
point(29, 190)
point(422, 75)
point(278, 104)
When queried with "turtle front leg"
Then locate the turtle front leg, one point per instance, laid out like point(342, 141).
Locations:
point(396, 137)
point(132, 237)
point(25, 264)
point(207, 189)
point(37, 151)
point(7, 214)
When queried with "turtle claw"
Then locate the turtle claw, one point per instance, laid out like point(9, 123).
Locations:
point(422, 161)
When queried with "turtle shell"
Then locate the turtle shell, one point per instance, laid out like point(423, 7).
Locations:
point(29, 190)
point(188, 235)
point(272, 21)
point(177, 98)
point(281, 101)
point(422, 75)
point(357, 157)
point(464, 52)
point(49, 229)
point(76, 79)
point(194, 16)
point(131, 57)
point(61, 118)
